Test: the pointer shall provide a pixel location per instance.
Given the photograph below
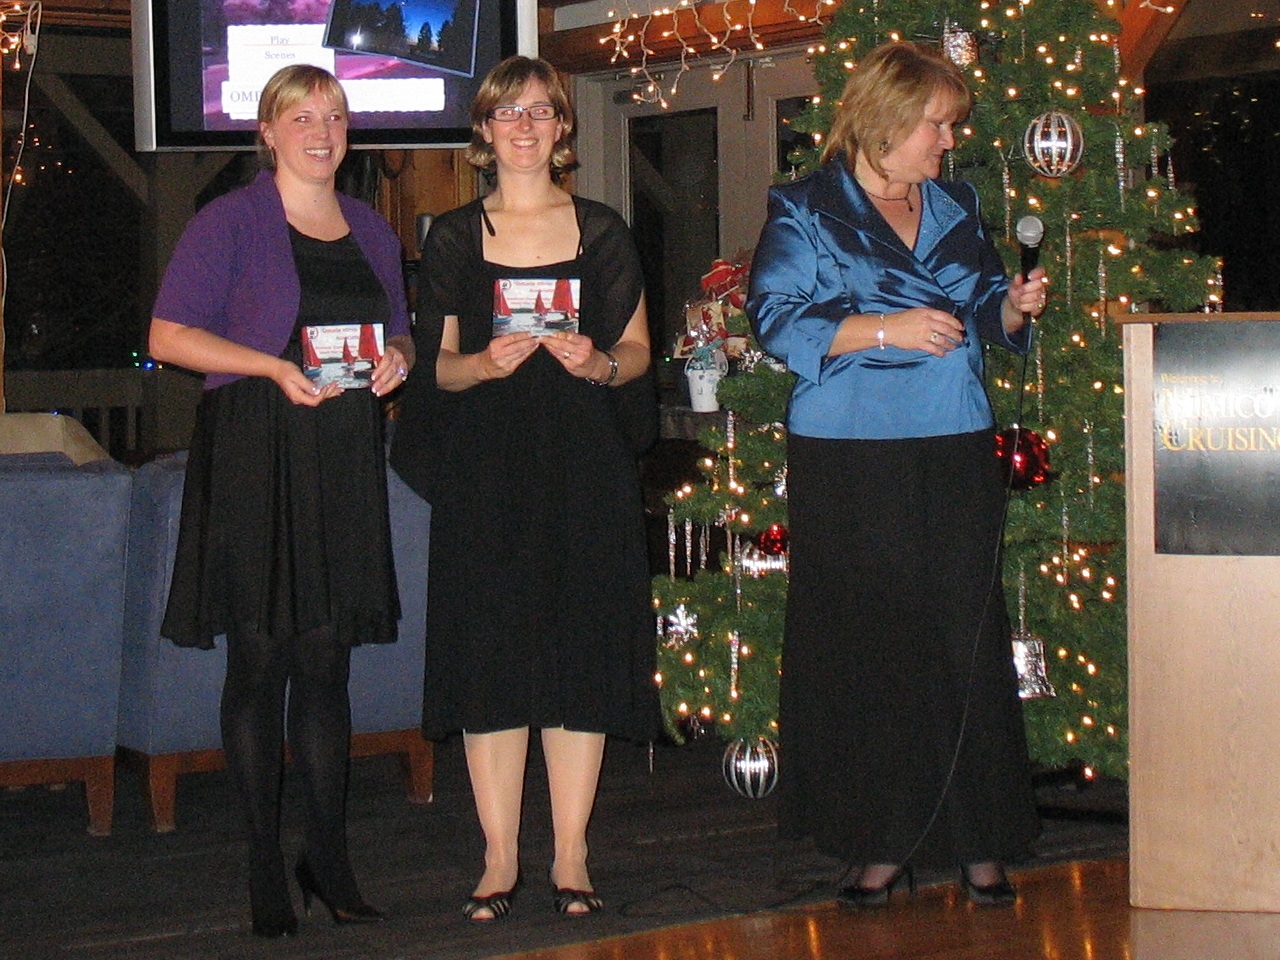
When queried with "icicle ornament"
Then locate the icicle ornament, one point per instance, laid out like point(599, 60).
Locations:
point(1028, 653)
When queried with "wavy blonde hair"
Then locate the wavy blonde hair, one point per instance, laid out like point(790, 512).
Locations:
point(885, 99)
point(502, 86)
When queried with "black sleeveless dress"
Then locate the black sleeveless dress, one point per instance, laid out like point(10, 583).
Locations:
point(539, 611)
point(284, 525)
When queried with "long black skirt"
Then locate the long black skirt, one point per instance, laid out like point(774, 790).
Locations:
point(284, 526)
point(901, 729)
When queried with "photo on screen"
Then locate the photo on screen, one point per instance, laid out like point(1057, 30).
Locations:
point(438, 33)
point(410, 68)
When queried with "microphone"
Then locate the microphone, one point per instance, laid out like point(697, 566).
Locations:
point(1029, 231)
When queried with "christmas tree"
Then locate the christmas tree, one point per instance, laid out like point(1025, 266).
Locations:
point(1057, 133)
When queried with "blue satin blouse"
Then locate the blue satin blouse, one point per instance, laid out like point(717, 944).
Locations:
point(826, 253)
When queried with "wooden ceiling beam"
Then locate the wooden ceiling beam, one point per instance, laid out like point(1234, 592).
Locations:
point(1144, 25)
point(100, 14)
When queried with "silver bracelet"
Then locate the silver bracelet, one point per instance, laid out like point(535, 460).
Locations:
point(613, 371)
point(880, 333)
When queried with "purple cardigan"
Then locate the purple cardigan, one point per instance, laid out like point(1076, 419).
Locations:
point(232, 272)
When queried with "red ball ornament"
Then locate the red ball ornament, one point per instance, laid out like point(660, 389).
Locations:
point(773, 541)
point(1026, 457)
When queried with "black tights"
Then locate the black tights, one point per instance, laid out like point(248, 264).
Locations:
point(314, 672)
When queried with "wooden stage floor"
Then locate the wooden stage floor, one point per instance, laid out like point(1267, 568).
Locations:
point(1073, 911)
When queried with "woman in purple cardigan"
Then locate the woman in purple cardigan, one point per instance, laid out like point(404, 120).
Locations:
point(284, 544)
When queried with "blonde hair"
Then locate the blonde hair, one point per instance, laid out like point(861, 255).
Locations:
point(502, 86)
point(288, 87)
point(885, 99)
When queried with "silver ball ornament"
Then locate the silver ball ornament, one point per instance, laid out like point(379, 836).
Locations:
point(751, 767)
point(1053, 144)
point(959, 46)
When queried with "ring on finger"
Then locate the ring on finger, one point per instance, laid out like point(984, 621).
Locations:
point(933, 337)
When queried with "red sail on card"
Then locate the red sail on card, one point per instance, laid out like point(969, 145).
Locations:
point(562, 298)
point(369, 344)
point(309, 356)
point(500, 308)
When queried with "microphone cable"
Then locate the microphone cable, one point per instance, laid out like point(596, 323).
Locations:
point(993, 581)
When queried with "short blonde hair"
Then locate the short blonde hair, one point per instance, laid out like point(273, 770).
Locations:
point(885, 99)
point(288, 87)
point(502, 86)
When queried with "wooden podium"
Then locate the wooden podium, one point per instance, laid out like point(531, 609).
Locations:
point(1204, 609)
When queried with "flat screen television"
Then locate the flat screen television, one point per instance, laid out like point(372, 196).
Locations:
point(409, 67)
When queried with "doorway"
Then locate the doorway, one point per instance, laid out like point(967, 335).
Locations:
point(691, 179)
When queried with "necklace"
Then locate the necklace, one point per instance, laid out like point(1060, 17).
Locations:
point(876, 196)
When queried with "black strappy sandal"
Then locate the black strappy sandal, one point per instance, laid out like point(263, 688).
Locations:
point(566, 899)
point(498, 905)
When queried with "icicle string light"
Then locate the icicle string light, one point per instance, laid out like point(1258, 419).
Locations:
point(721, 46)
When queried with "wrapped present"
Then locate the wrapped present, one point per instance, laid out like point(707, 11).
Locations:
point(716, 328)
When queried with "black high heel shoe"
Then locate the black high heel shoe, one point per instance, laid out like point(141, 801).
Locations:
point(272, 928)
point(358, 912)
point(1002, 893)
point(273, 915)
point(859, 897)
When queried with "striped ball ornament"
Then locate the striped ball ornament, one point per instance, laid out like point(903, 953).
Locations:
point(751, 767)
point(1053, 144)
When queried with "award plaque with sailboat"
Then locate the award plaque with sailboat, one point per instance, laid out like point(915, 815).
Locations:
point(342, 353)
point(535, 305)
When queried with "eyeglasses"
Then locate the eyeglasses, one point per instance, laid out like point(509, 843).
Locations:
point(513, 112)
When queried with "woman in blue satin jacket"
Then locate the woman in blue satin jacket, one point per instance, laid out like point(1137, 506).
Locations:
point(875, 282)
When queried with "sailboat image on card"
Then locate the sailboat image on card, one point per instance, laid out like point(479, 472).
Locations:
point(535, 305)
point(342, 353)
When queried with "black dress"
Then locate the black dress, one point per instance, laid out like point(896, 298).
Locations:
point(539, 612)
point(284, 526)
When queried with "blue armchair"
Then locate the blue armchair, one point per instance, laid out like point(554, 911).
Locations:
point(63, 535)
point(169, 695)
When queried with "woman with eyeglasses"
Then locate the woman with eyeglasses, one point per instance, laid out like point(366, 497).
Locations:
point(531, 312)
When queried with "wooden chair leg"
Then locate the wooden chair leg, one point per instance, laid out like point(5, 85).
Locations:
point(100, 792)
point(415, 755)
point(161, 773)
point(418, 766)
